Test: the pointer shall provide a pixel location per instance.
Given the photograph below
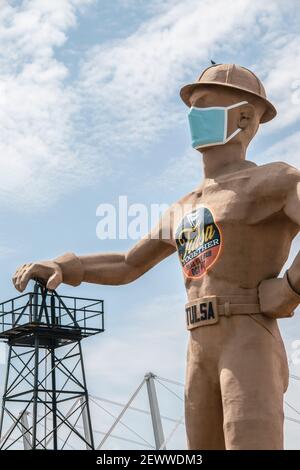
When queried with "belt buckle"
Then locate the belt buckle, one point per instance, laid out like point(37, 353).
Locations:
point(202, 312)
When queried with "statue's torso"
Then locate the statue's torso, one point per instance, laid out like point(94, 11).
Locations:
point(233, 232)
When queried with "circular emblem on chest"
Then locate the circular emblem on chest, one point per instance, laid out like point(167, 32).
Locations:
point(198, 240)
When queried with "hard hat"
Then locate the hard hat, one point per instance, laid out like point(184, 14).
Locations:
point(232, 76)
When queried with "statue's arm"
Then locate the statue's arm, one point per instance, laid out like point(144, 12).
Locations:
point(280, 296)
point(292, 210)
point(122, 268)
point(103, 268)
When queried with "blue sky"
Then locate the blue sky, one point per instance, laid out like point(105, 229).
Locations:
point(90, 110)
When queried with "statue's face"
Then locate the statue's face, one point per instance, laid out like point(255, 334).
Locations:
point(245, 117)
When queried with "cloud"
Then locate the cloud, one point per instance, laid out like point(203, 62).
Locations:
point(280, 68)
point(39, 157)
point(285, 150)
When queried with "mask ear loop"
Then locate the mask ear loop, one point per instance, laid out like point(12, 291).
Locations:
point(232, 135)
point(235, 105)
point(226, 139)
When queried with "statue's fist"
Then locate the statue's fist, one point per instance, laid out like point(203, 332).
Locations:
point(47, 271)
point(277, 298)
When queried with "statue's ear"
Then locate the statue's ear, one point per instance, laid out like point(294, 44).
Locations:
point(246, 116)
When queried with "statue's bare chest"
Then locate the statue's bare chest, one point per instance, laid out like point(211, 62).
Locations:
point(241, 200)
point(223, 210)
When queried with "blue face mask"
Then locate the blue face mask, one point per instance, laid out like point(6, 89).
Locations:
point(209, 126)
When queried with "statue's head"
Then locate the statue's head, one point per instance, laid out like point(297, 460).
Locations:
point(227, 104)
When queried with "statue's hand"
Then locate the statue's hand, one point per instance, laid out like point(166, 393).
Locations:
point(277, 299)
point(48, 271)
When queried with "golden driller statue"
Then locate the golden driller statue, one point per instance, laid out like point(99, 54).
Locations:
point(233, 235)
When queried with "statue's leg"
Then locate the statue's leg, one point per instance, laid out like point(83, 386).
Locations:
point(253, 377)
point(203, 402)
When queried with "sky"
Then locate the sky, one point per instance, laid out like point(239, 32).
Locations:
point(90, 111)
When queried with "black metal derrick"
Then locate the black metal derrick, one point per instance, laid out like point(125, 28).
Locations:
point(45, 392)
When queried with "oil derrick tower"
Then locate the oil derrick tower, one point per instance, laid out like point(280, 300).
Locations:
point(45, 401)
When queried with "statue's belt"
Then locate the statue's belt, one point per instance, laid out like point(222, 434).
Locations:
point(207, 310)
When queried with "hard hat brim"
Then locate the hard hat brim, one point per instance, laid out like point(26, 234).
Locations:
point(186, 91)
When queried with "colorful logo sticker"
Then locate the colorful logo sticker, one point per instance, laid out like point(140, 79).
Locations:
point(198, 241)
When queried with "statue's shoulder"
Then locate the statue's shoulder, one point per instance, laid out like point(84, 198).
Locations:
point(274, 179)
point(277, 169)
